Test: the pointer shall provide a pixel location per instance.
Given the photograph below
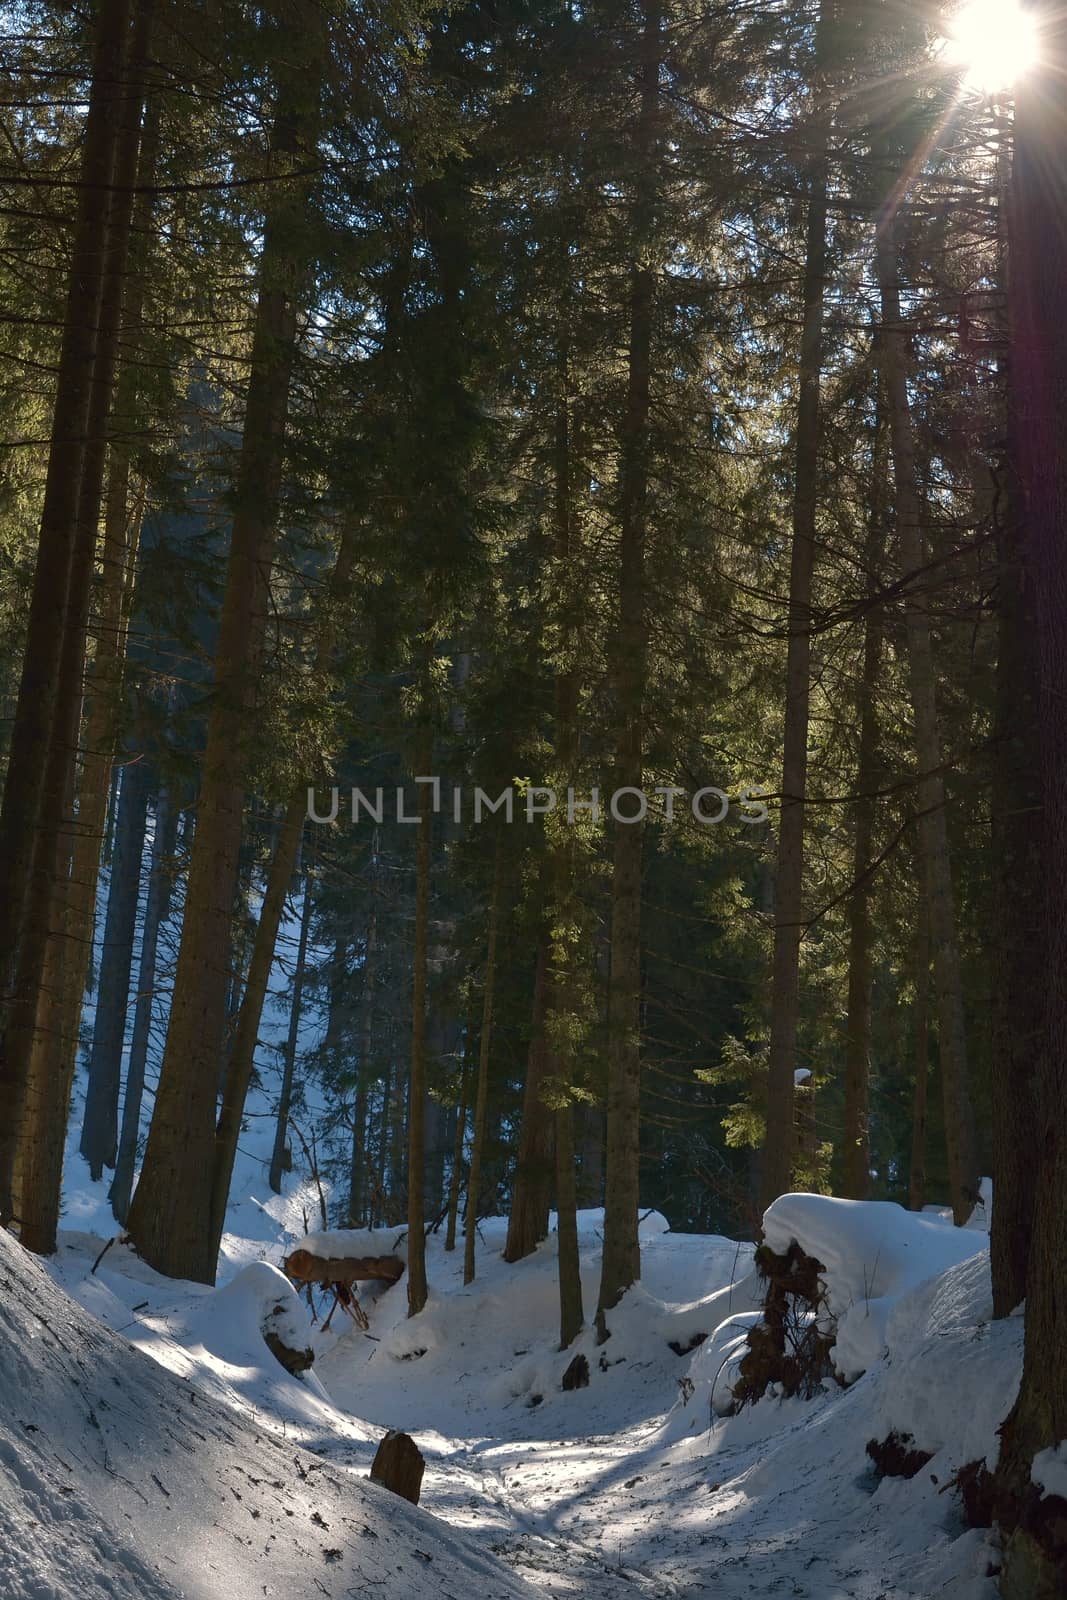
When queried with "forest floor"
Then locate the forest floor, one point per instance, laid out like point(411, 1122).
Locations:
point(632, 1485)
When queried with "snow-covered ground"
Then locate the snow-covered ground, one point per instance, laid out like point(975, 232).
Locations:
point(208, 1471)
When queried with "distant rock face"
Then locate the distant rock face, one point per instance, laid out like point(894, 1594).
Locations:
point(398, 1465)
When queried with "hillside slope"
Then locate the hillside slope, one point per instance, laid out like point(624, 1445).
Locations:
point(121, 1481)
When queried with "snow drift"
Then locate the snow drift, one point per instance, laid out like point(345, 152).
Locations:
point(872, 1253)
point(120, 1481)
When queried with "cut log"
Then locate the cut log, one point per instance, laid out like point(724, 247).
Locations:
point(303, 1267)
point(294, 1361)
point(398, 1465)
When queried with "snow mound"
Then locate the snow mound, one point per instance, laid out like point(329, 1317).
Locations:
point(353, 1242)
point(872, 1253)
point(120, 1481)
point(952, 1373)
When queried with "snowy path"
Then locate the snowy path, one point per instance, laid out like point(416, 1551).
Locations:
point(619, 1488)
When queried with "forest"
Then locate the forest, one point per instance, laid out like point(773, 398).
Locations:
point(533, 655)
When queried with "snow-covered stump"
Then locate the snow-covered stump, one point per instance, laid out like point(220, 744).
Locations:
point(790, 1347)
point(398, 1465)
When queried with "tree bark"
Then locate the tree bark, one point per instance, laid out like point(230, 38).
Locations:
point(69, 949)
point(933, 828)
point(779, 1145)
point(155, 913)
point(1035, 1553)
point(861, 933)
point(571, 1310)
point(417, 1290)
point(45, 730)
point(481, 1096)
point(99, 1139)
point(242, 1052)
point(357, 1168)
point(1019, 851)
point(621, 1259)
point(455, 1177)
point(920, 1016)
point(563, 1015)
point(285, 1099)
point(31, 732)
point(179, 1158)
point(530, 1191)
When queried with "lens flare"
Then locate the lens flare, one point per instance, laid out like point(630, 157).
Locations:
point(991, 42)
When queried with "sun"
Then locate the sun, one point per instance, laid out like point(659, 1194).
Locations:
point(992, 42)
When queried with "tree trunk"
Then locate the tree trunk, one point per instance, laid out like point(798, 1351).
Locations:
point(45, 729)
point(530, 1192)
point(1035, 1555)
point(99, 1139)
point(1018, 888)
point(455, 1177)
point(571, 1310)
point(417, 1083)
point(154, 914)
point(563, 1015)
point(621, 1260)
point(68, 954)
point(357, 1169)
point(180, 1156)
point(920, 1015)
point(778, 1154)
point(591, 1155)
point(245, 1036)
point(481, 1096)
point(285, 1099)
point(933, 829)
point(861, 933)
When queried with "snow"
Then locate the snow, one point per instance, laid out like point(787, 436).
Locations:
point(872, 1253)
point(118, 1479)
point(639, 1483)
point(1049, 1470)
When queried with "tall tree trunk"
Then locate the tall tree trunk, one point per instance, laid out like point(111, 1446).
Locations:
point(378, 1199)
point(933, 827)
point(455, 1177)
point(99, 1139)
point(481, 1095)
point(417, 1081)
point(531, 1188)
point(1035, 1555)
point(571, 1310)
point(621, 1260)
point(44, 734)
point(590, 1121)
point(920, 1027)
point(245, 1035)
point(778, 1153)
point(179, 1158)
point(1019, 849)
point(562, 1020)
point(861, 933)
point(357, 1167)
point(155, 912)
point(285, 1099)
point(69, 950)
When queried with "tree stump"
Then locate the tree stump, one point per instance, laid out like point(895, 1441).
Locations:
point(398, 1465)
point(577, 1374)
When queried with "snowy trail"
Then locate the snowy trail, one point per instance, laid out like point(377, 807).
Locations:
point(631, 1485)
